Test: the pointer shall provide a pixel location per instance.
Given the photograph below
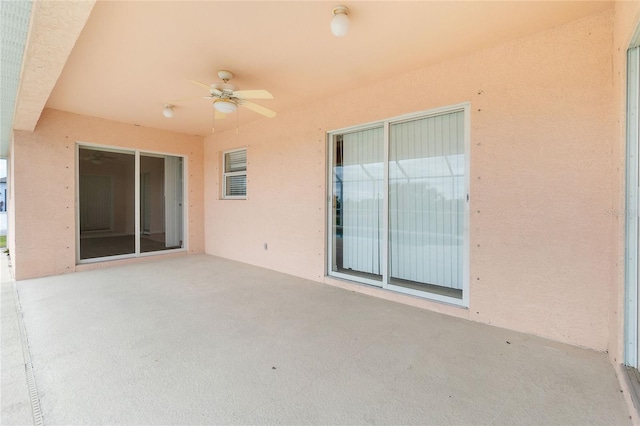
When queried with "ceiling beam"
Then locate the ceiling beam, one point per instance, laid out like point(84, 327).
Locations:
point(55, 28)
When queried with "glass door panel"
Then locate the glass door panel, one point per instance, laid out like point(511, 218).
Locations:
point(357, 203)
point(427, 198)
point(106, 203)
point(160, 203)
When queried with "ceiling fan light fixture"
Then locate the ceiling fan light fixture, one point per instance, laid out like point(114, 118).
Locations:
point(225, 106)
point(340, 21)
point(168, 111)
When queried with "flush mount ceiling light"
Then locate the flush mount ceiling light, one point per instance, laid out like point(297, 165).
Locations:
point(168, 111)
point(225, 106)
point(340, 21)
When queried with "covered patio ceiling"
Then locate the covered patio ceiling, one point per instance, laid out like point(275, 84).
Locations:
point(132, 57)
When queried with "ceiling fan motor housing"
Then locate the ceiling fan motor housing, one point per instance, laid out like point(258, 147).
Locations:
point(225, 75)
point(226, 88)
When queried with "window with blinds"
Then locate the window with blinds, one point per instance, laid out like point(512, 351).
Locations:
point(398, 217)
point(234, 179)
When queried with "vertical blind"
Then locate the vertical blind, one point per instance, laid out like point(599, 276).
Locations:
point(426, 200)
point(362, 194)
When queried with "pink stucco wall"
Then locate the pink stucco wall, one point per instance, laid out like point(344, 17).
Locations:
point(626, 19)
point(43, 168)
point(541, 180)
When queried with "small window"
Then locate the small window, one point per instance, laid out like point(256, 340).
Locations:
point(234, 177)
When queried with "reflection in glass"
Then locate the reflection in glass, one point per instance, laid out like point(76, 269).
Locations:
point(160, 202)
point(358, 191)
point(106, 203)
point(426, 204)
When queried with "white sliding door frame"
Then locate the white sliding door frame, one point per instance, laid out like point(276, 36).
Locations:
point(631, 209)
point(185, 204)
point(106, 148)
point(330, 236)
point(385, 284)
point(136, 214)
point(385, 210)
point(137, 227)
point(171, 202)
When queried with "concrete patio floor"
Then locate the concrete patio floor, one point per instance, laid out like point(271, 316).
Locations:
point(204, 340)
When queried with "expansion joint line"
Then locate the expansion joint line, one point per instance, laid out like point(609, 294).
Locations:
point(28, 366)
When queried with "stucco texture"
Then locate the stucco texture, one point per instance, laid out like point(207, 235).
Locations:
point(626, 19)
point(44, 164)
point(542, 120)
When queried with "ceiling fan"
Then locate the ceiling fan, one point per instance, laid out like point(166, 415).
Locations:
point(226, 97)
point(98, 157)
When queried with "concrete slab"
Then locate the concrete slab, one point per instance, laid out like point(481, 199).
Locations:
point(15, 401)
point(199, 339)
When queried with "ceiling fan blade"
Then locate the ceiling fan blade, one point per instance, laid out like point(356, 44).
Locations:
point(259, 109)
point(253, 94)
point(199, 83)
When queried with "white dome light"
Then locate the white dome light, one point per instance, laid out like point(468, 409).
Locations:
point(168, 111)
point(225, 106)
point(340, 21)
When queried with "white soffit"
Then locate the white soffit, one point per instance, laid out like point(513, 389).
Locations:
point(14, 26)
point(55, 28)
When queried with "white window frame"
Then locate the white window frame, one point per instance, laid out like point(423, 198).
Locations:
point(385, 284)
point(225, 174)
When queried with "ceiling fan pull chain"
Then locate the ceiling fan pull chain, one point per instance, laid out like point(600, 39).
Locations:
point(213, 121)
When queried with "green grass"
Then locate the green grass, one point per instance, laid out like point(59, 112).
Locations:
point(3, 240)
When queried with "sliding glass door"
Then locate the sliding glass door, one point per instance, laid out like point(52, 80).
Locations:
point(160, 202)
point(129, 203)
point(426, 203)
point(106, 202)
point(358, 178)
point(399, 205)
